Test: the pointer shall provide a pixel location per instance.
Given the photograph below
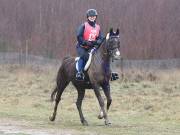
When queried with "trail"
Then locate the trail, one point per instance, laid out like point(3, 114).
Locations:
point(12, 127)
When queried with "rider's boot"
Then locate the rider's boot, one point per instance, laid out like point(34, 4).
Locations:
point(80, 74)
point(114, 76)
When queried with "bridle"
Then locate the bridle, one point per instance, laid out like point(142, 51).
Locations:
point(109, 47)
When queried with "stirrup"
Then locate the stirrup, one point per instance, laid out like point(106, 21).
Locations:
point(114, 76)
point(80, 76)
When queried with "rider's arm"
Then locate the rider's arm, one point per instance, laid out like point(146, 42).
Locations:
point(99, 39)
point(79, 34)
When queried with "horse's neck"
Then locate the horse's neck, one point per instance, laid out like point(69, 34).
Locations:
point(103, 52)
point(102, 56)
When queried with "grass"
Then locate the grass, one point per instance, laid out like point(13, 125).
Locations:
point(143, 103)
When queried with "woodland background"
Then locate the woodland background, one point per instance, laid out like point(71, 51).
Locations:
point(149, 29)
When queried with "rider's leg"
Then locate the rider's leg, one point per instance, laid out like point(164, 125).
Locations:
point(81, 63)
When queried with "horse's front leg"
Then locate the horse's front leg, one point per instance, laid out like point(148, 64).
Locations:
point(106, 89)
point(101, 103)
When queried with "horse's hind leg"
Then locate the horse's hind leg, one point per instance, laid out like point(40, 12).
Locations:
point(81, 93)
point(60, 89)
point(53, 94)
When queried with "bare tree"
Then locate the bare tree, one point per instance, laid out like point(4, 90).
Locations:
point(149, 29)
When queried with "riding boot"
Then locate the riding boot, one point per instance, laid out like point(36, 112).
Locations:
point(80, 74)
point(114, 76)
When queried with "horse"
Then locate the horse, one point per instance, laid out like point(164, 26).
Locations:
point(98, 75)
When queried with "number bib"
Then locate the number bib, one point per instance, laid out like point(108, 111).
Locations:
point(91, 33)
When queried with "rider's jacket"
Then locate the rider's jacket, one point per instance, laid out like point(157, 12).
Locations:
point(89, 31)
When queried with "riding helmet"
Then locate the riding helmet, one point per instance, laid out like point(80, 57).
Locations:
point(91, 12)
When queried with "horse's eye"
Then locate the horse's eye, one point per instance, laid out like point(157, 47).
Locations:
point(111, 41)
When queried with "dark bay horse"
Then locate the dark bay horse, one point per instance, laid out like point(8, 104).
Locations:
point(98, 75)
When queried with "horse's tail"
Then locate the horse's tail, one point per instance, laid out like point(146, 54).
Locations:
point(60, 80)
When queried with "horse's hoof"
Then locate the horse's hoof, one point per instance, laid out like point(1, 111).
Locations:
point(107, 123)
point(100, 116)
point(51, 118)
point(85, 123)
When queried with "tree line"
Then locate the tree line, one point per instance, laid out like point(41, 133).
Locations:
point(149, 29)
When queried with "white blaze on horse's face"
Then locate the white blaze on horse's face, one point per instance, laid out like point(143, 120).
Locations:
point(117, 46)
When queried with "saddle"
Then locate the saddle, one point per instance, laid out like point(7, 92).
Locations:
point(114, 75)
point(88, 63)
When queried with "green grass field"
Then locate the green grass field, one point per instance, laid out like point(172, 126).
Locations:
point(143, 103)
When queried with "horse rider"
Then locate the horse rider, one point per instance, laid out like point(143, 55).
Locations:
point(89, 35)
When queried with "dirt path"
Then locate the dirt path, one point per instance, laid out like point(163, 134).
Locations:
point(9, 126)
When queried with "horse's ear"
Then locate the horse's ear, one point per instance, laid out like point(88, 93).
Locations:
point(117, 31)
point(111, 31)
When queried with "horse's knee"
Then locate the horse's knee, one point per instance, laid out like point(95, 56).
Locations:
point(58, 98)
point(109, 100)
point(53, 94)
point(102, 103)
point(78, 103)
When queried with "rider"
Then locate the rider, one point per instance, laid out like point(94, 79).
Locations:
point(89, 36)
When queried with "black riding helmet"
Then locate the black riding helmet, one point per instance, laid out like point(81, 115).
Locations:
point(91, 12)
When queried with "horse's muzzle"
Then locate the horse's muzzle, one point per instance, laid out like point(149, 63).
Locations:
point(117, 55)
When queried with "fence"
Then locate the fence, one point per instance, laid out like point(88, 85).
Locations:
point(123, 64)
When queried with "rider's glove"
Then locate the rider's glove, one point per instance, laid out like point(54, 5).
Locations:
point(89, 43)
point(93, 50)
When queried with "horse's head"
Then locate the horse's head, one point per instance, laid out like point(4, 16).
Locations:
point(113, 44)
